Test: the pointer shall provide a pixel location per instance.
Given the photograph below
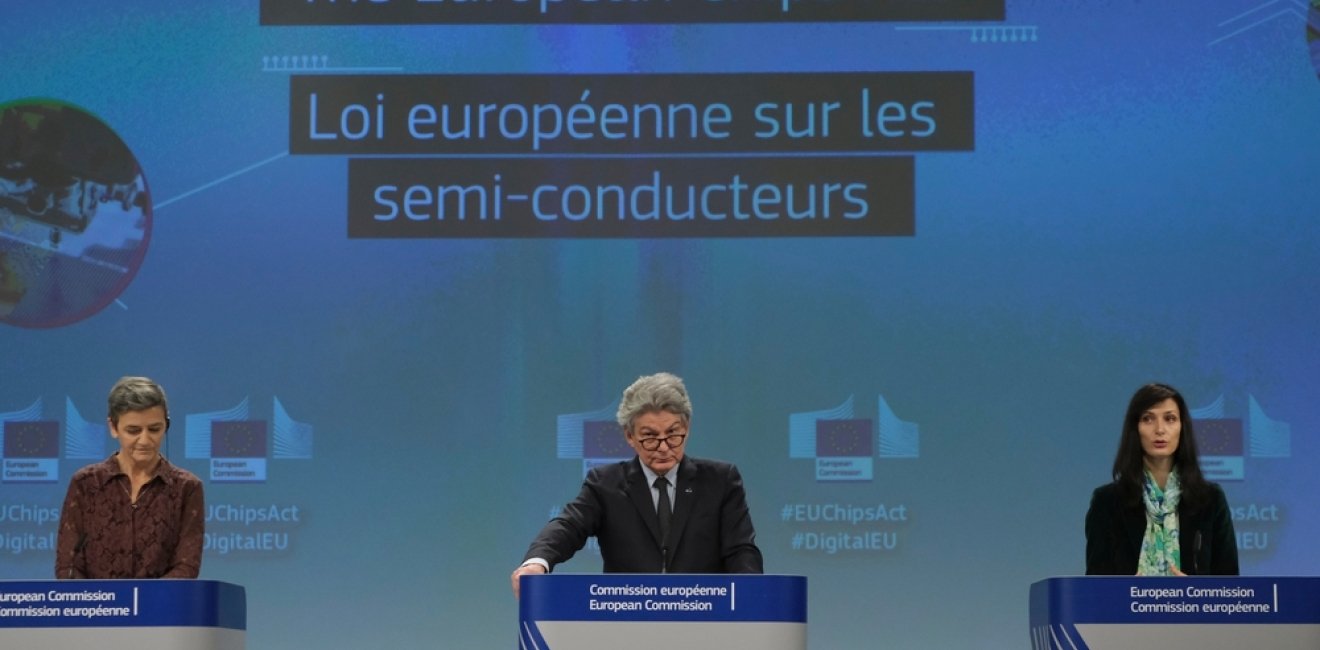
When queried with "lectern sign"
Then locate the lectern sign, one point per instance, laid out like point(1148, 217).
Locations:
point(694, 612)
point(109, 614)
point(1099, 613)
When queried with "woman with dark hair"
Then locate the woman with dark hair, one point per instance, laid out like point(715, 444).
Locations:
point(1159, 516)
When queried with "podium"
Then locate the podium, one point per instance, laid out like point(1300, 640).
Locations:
point(123, 614)
point(1193, 613)
point(662, 612)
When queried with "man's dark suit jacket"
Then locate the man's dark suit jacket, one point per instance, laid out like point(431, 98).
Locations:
point(711, 530)
point(1114, 533)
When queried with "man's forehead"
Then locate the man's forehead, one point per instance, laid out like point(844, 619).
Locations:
point(658, 420)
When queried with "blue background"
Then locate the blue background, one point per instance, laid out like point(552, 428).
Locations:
point(1140, 206)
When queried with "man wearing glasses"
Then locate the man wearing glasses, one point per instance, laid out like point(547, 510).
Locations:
point(662, 511)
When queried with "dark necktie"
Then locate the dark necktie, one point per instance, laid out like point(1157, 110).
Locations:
point(663, 509)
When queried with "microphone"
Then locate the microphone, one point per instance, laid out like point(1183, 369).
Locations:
point(664, 559)
point(1196, 553)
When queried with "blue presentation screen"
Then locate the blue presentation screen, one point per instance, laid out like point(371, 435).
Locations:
point(394, 263)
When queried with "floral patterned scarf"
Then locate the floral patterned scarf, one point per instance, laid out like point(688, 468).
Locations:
point(1160, 552)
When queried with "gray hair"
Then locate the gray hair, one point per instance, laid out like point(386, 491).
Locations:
point(653, 393)
point(135, 394)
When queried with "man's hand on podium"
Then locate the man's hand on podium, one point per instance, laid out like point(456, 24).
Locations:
point(531, 568)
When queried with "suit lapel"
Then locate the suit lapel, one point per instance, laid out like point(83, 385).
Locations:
point(685, 496)
point(640, 494)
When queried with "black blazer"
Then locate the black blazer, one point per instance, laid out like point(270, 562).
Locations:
point(1114, 533)
point(711, 530)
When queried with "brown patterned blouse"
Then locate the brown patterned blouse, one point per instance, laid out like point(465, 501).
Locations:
point(104, 535)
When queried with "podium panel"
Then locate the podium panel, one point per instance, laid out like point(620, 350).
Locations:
point(123, 614)
point(662, 612)
point(1192, 613)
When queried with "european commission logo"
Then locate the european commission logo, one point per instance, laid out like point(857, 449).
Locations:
point(239, 446)
point(1226, 442)
point(594, 437)
point(30, 443)
point(30, 448)
point(845, 446)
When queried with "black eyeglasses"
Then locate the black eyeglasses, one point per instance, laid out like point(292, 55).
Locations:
point(652, 443)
